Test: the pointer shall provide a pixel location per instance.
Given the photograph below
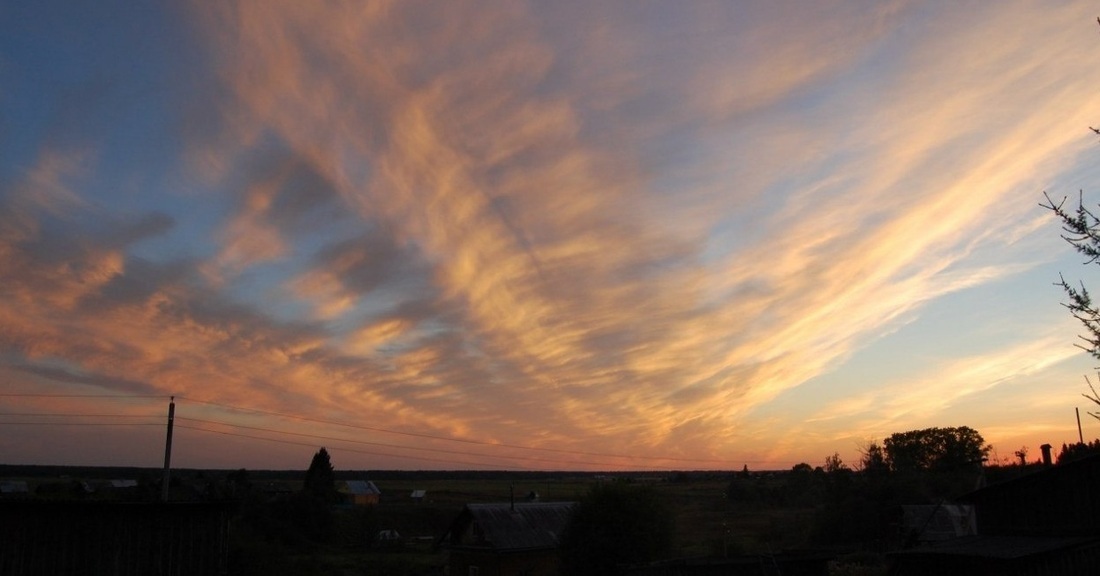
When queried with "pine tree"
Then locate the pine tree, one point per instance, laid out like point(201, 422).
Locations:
point(320, 479)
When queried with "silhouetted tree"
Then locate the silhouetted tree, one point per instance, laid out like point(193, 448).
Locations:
point(872, 461)
point(616, 524)
point(320, 480)
point(802, 469)
point(238, 484)
point(1022, 455)
point(1081, 229)
point(742, 489)
point(834, 463)
point(935, 449)
point(1078, 450)
point(802, 487)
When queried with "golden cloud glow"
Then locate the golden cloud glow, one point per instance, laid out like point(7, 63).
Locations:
point(566, 227)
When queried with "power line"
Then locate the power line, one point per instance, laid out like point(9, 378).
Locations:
point(383, 430)
point(21, 395)
point(284, 432)
point(463, 440)
point(368, 452)
point(276, 431)
point(60, 415)
point(56, 423)
point(385, 445)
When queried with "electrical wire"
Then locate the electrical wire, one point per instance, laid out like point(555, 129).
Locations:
point(60, 415)
point(82, 424)
point(384, 445)
point(461, 440)
point(22, 395)
point(368, 452)
point(633, 458)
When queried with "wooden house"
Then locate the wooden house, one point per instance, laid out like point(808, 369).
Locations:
point(360, 493)
point(14, 489)
point(809, 563)
point(504, 539)
point(1043, 524)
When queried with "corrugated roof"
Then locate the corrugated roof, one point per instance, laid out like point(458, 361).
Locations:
point(527, 525)
point(1002, 547)
point(13, 487)
point(361, 487)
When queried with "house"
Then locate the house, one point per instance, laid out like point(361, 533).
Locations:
point(14, 488)
point(418, 495)
point(359, 492)
point(937, 522)
point(1044, 523)
point(806, 563)
point(276, 490)
point(502, 539)
point(388, 540)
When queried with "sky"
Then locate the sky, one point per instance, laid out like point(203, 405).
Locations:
point(538, 235)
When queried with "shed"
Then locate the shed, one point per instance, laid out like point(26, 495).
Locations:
point(1001, 556)
point(1045, 524)
point(388, 540)
point(1062, 500)
point(935, 522)
point(505, 538)
point(14, 488)
point(360, 492)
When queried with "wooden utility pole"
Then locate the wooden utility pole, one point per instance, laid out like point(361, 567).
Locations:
point(1080, 435)
point(168, 451)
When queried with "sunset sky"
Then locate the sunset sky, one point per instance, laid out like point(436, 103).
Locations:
point(538, 235)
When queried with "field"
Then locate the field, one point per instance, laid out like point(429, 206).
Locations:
point(706, 522)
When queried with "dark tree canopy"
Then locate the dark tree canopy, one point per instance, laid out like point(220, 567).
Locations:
point(872, 460)
point(616, 524)
point(1072, 452)
point(320, 479)
point(935, 449)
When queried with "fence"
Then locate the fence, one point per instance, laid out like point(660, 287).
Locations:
point(113, 539)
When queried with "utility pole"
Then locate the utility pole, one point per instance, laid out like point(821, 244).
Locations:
point(1080, 435)
point(168, 451)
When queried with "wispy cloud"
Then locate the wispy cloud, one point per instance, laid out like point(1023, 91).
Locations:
point(565, 225)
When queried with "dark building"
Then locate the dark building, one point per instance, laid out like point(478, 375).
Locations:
point(1043, 524)
point(503, 539)
point(783, 564)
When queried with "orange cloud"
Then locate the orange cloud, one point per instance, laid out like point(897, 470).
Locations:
point(565, 227)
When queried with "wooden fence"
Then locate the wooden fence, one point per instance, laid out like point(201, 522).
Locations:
point(58, 538)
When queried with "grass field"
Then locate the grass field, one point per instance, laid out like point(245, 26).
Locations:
point(707, 523)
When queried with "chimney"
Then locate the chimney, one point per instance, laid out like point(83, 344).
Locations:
point(1046, 454)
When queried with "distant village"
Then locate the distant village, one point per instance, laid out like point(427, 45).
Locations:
point(1029, 517)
